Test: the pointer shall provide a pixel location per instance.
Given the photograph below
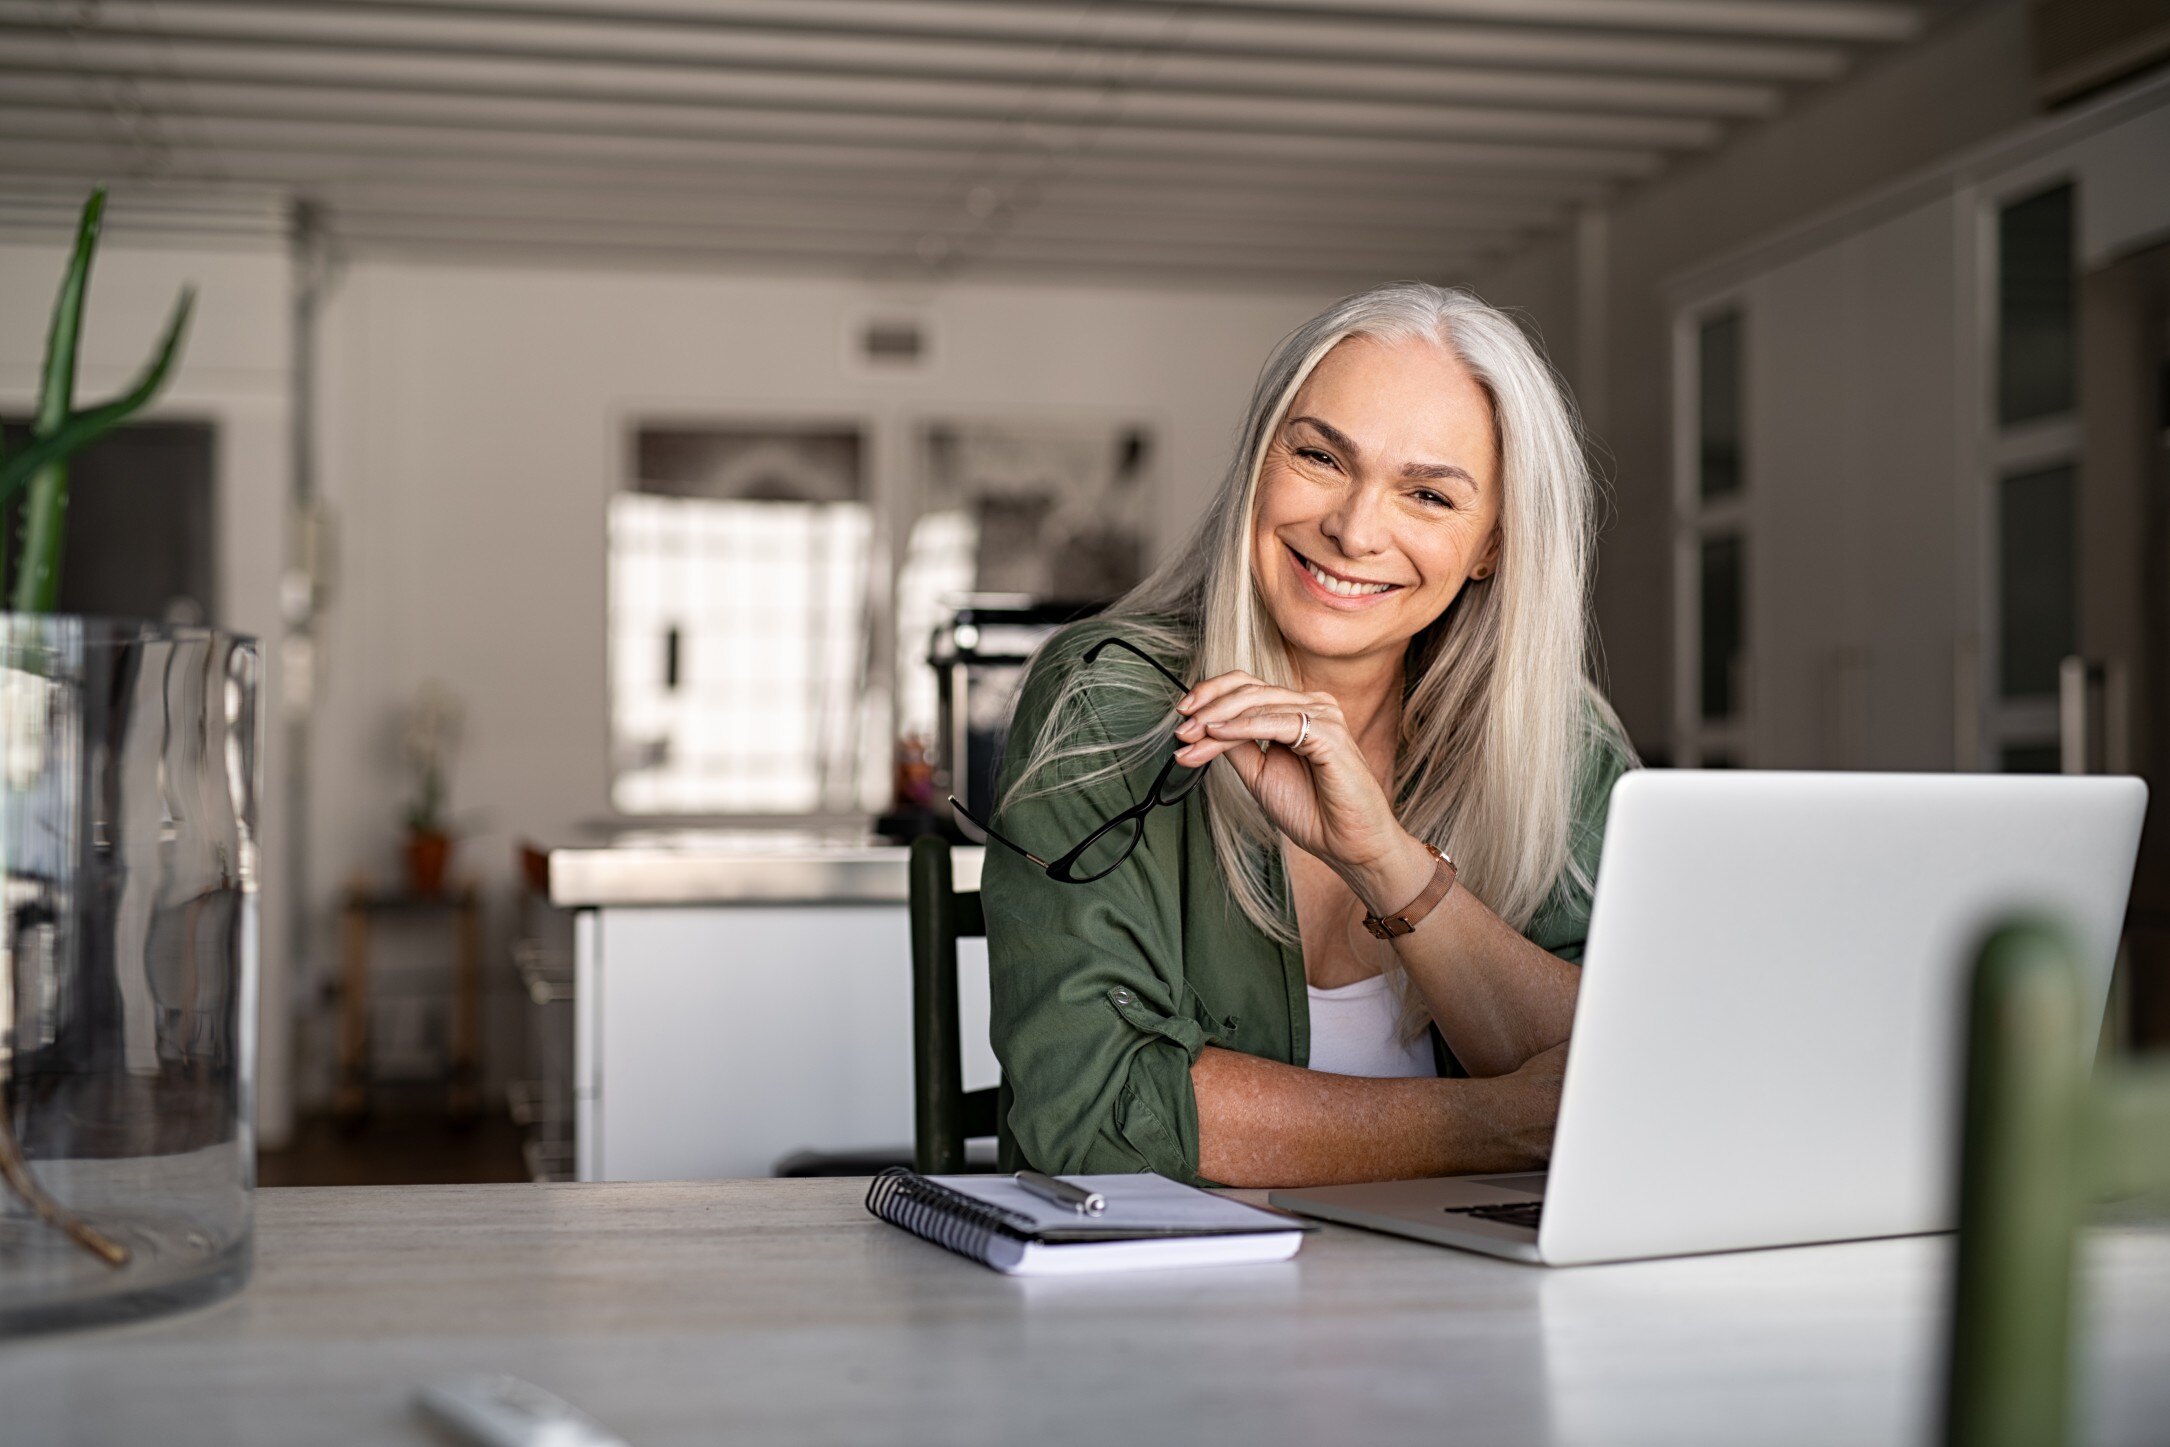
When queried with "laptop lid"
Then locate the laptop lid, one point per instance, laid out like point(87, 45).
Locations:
point(1768, 1035)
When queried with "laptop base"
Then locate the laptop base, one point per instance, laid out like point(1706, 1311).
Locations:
point(1436, 1210)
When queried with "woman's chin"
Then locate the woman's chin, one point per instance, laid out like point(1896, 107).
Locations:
point(1319, 633)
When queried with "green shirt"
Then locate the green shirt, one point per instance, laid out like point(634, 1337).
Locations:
point(1103, 994)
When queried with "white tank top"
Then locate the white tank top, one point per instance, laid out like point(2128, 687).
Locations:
point(1353, 1032)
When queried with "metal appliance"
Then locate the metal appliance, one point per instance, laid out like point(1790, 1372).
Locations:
point(978, 655)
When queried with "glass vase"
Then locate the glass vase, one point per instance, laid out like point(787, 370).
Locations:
point(128, 958)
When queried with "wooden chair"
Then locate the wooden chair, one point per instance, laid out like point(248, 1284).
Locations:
point(944, 1114)
point(2044, 1138)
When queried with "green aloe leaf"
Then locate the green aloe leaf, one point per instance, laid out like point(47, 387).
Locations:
point(45, 512)
point(82, 428)
point(57, 396)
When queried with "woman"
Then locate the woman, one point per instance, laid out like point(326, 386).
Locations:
point(1391, 733)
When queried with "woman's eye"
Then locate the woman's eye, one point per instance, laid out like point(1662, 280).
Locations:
point(1313, 455)
point(1432, 499)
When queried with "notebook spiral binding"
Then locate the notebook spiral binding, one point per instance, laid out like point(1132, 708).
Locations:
point(932, 1211)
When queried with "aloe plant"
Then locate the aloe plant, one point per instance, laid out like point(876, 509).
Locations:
point(59, 432)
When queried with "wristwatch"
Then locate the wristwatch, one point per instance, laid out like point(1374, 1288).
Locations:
point(1412, 915)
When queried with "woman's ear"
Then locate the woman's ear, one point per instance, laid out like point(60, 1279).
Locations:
point(1489, 563)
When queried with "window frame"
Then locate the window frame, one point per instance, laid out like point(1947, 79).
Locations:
point(627, 423)
point(2000, 451)
point(1698, 520)
point(892, 440)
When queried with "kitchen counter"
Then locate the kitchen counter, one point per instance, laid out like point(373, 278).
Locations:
point(779, 1312)
point(740, 867)
point(743, 998)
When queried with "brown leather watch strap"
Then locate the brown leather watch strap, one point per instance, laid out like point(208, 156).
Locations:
point(1409, 917)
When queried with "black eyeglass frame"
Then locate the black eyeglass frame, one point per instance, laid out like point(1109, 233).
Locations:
point(1063, 869)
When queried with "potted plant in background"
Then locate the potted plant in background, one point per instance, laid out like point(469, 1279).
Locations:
point(432, 736)
point(128, 878)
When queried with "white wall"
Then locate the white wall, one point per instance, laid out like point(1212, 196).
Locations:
point(1961, 86)
point(475, 425)
point(233, 374)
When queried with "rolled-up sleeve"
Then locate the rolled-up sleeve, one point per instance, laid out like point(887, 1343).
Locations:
point(1563, 925)
point(1091, 1018)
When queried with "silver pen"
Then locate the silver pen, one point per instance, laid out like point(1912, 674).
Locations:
point(1062, 1193)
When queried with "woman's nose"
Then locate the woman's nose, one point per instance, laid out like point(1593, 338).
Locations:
point(1358, 525)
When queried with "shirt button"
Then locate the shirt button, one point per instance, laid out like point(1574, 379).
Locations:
point(1122, 996)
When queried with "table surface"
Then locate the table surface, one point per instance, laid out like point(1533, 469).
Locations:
point(780, 1312)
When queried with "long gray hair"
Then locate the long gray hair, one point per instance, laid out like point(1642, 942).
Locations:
point(1498, 708)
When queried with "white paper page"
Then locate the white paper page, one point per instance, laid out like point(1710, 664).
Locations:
point(1158, 1253)
point(1141, 1202)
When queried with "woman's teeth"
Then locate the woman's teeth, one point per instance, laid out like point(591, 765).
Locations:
point(1341, 588)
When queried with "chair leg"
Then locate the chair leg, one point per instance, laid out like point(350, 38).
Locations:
point(2019, 1192)
point(937, 1066)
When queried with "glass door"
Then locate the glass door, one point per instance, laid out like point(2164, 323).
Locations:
point(1712, 551)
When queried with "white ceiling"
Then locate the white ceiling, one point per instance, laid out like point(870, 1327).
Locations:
point(1237, 141)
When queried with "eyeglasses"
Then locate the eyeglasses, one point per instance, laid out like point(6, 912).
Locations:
point(1104, 850)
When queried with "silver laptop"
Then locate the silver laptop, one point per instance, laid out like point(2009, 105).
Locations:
point(1767, 1044)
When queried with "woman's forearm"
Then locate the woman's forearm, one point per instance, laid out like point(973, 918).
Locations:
point(1263, 1123)
point(1497, 999)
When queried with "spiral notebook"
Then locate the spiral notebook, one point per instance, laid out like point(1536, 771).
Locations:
point(1150, 1221)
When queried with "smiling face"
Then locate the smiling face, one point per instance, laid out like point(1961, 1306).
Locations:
point(1377, 500)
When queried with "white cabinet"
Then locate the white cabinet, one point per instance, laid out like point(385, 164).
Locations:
point(1852, 469)
point(1872, 577)
point(716, 1039)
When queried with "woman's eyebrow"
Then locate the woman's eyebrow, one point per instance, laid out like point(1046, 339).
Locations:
point(1415, 471)
point(1435, 472)
point(1331, 433)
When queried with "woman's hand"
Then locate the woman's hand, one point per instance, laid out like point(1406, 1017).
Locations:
point(1526, 1106)
point(1313, 782)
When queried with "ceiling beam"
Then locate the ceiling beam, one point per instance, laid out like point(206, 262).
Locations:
point(305, 168)
point(1115, 235)
point(691, 25)
point(915, 214)
point(639, 58)
point(1859, 21)
point(306, 80)
point(411, 125)
point(68, 205)
point(909, 218)
point(899, 253)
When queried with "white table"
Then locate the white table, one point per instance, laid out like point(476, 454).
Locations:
point(779, 1312)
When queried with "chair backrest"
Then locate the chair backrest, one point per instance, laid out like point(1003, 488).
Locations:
point(2044, 1137)
point(944, 1114)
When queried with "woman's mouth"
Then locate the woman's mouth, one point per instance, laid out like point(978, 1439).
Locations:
point(1334, 585)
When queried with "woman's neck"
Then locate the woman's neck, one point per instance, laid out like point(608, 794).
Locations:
point(1369, 692)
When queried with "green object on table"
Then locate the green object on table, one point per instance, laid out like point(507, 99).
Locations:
point(61, 431)
point(944, 1114)
point(2041, 1142)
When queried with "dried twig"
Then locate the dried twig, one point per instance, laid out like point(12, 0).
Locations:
point(15, 1171)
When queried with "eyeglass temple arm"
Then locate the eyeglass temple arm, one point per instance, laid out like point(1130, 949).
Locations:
point(995, 834)
point(1104, 644)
